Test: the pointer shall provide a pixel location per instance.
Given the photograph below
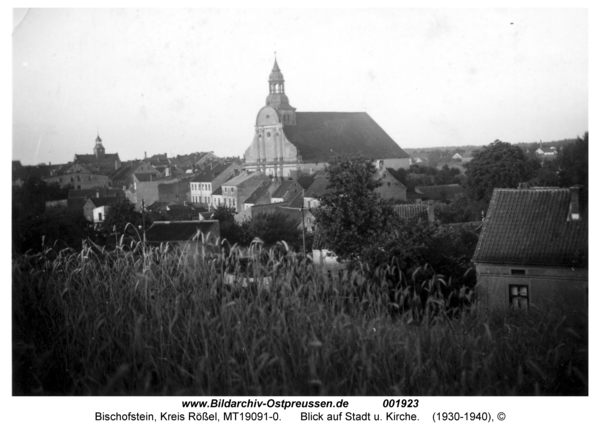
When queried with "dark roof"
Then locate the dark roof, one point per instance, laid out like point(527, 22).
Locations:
point(259, 192)
point(177, 231)
point(218, 192)
point(318, 187)
point(321, 135)
point(306, 180)
point(285, 188)
point(297, 202)
point(531, 227)
point(105, 164)
point(125, 171)
point(439, 192)
point(208, 174)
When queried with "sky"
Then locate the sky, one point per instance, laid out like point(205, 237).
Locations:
point(187, 80)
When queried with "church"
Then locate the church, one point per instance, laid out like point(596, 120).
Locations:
point(288, 143)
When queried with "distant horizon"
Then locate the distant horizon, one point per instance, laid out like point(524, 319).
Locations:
point(193, 80)
point(41, 163)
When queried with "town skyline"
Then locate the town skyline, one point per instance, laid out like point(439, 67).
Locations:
point(156, 81)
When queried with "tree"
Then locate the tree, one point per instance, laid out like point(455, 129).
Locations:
point(121, 213)
point(572, 163)
point(273, 227)
point(498, 165)
point(229, 228)
point(351, 217)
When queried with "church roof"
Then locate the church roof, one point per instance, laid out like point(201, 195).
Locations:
point(321, 135)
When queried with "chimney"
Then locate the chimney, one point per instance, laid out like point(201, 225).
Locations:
point(145, 156)
point(574, 209)
point(97, 194)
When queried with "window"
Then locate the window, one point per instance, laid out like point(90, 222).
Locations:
point(518, 296)
point(72, 179)
point(100, 216)
point(78, 178)
point(388, 184)
point(517, 271)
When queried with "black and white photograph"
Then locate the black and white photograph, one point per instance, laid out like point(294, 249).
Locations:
point(263, 203)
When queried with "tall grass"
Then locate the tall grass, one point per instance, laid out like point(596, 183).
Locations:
point(153, 321)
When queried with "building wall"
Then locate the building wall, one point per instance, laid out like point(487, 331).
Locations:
point(270, 150)
point(147, 191)
point(88, 210)
point(174, 191)
point(391, 188)
point(99, 214)
point(547, 286)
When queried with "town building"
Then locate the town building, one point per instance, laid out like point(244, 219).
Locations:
point(210, 179)
point(238, 189)
point(390, 188)
point(99, 161)
point(533, 250)
point(287, 143)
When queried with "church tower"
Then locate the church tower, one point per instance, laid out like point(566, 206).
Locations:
point(270, 151)
point(99, 149)
point(277, 98)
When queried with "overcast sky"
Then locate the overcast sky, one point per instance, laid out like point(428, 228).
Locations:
point(181, 81)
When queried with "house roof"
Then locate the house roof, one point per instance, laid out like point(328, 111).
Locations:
point(321, 135)
point(102, 201)
point(318, 187)
point(412, 211)
point(297, 202)
point(218, 192)
point(237, 180)
point(125, 171)
point(145, 177)
point(260, 192)
point(531, 227)
point(440, 192)
point(177, 231)
point(208, 174)
point(284, 188)
point(104, 164)
point(306, 180)
point(160, 159)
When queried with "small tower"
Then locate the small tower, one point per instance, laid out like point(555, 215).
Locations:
point(277, 98)
point(99, 149)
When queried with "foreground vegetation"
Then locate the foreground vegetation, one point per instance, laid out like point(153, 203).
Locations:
point(151, 321)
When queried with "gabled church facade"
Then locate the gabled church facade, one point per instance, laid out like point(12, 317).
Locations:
point(287, 143)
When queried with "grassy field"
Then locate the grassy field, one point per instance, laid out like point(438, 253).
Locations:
point(148, 322)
